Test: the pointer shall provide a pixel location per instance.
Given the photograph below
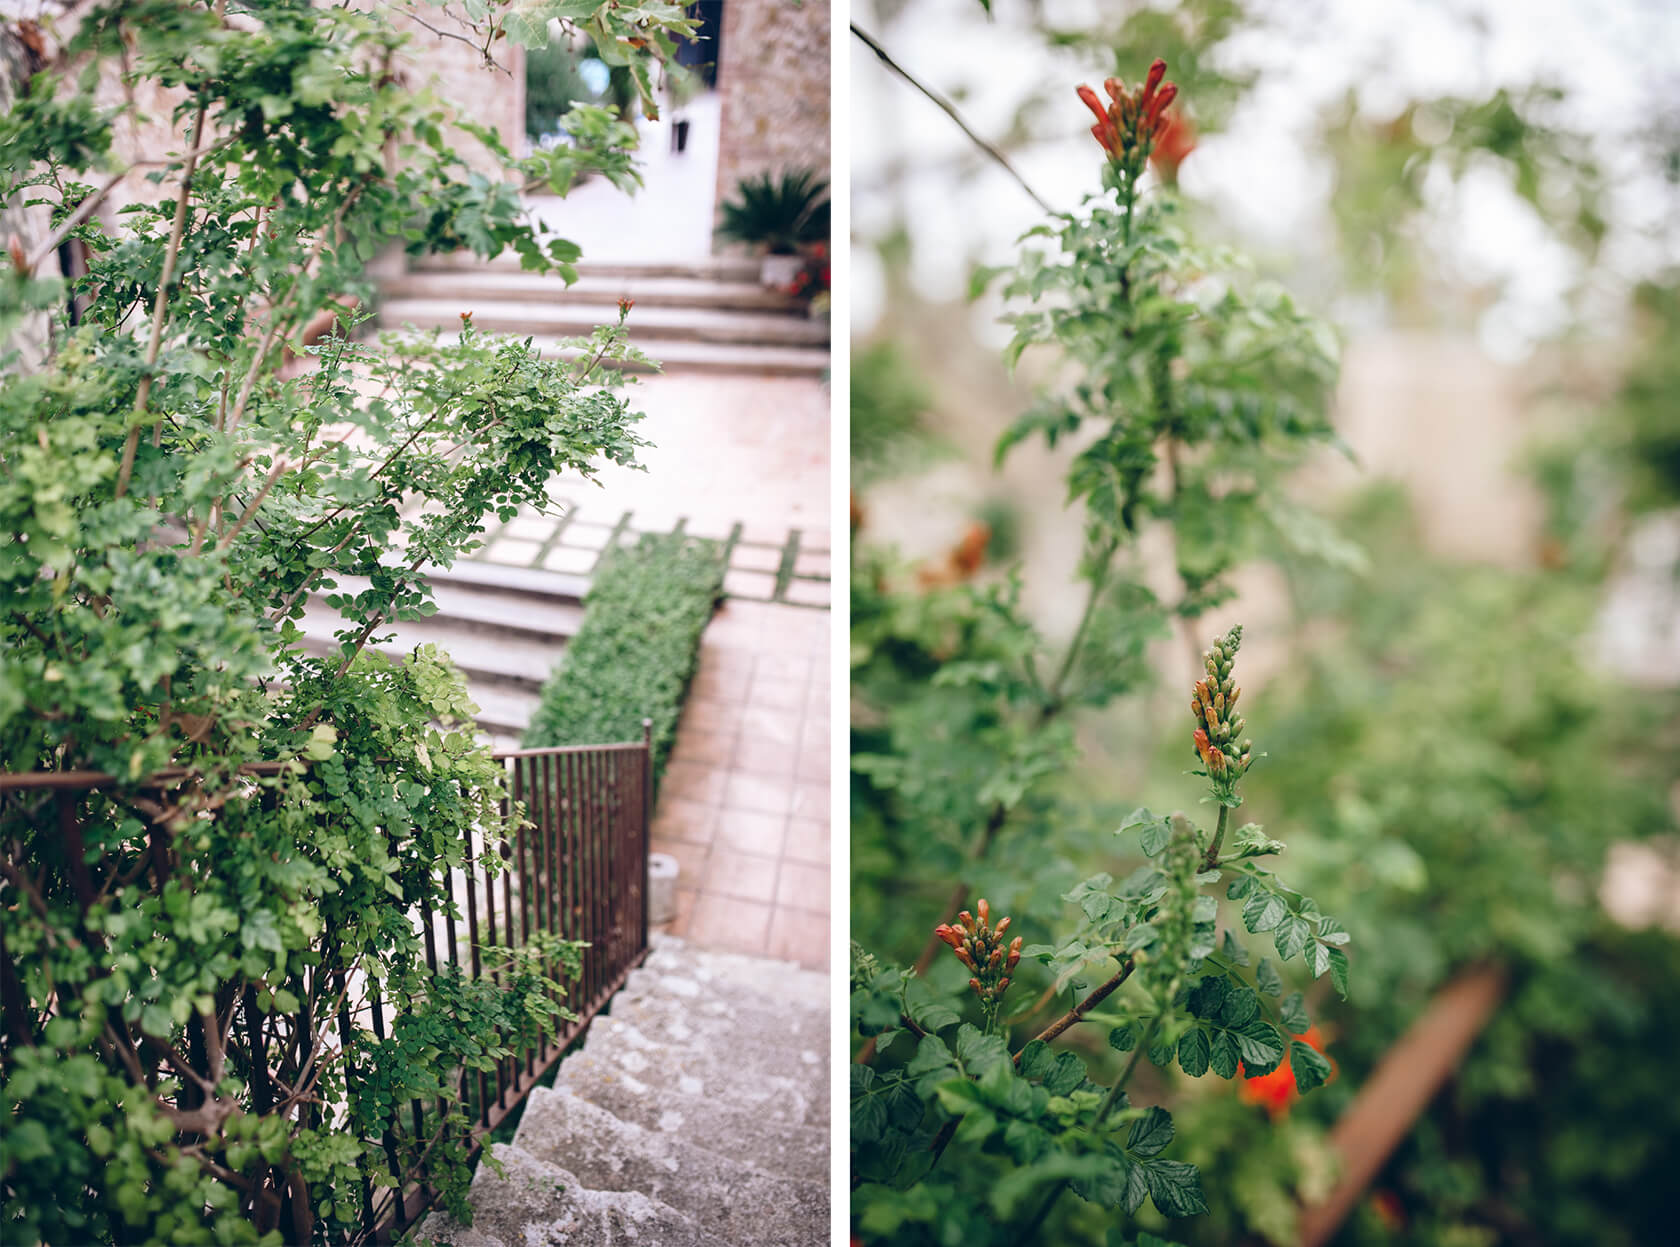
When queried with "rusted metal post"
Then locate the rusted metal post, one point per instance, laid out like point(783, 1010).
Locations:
point(1399, 1089)
point(647, 829)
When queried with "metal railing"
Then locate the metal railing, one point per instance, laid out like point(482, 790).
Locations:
point(576, 869)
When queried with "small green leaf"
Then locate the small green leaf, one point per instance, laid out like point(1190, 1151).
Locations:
point(1266, 978)
point(1311, 1066)
point(1294, 1014)
point(1175, 1187)
point(1193, 1052)
point(1150, 1133)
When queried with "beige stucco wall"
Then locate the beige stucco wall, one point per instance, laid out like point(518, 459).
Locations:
point(773, 73)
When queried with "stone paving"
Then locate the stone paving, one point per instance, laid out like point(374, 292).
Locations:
point(743, 460)
point(745, 804)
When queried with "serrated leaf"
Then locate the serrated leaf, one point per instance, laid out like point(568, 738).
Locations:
point(1263, 911)
point(1260, 1046)
point(1317, 958)
point(1175, 1187)
point(1241, 1006)
point(1240, 887)
point(979, 1052)
point(1339, 972)
point(1293, 1013)
point(1292, 936)
point(1233, 951)
point(1150, 1133)
point(1223, 1054)
point(1193, 1052)
point(1067, 1072)
point(1267, 979)
point(1312, 1068)
point(931, 1055)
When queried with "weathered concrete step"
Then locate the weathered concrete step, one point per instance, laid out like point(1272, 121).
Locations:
point(557, 587)
point(538, 1204)
point(708, 995)
point(710, 268)
point(503, 711)
point(779, 980)
point(486, 609)
point(719, 359)
point(468, 287)
point(772, 1144)
point(749, 1073)
point(737, 1203)
point(720, 1024)
point(521, 662)
point(647, 326)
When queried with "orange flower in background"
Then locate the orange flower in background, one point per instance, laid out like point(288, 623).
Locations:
point(1276, 1090)
point(1176, 140)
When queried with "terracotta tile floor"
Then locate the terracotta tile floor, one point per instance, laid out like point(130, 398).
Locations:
point(744, 807)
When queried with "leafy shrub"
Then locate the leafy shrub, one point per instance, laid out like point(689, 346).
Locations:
point(192, 1050)
point(1187, 389)
point(779, 212)
point(634, 655)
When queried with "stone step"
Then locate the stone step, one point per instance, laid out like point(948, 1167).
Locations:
point(517, 662)
point(488, 609)
point(737, 1203)
point(649, 328)
point(717, 359)
point(766, 1140)
point(503, 711)
point(749, 1072)
point(715, 996)
point(778, 980)
point(467, 288)
point(721, 1024)
point(538, 1204)
point(703, 268)
point(535, 582)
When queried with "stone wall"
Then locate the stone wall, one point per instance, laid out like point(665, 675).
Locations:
point(773, 73)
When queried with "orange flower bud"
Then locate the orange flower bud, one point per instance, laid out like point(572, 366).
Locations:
point(985, 911)
point(1094, 104)
point(967, 919)
point(1157, 71)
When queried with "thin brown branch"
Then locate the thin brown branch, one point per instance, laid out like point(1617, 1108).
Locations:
point(950, 110)
point(280, 466)
point(1077, 1014)
point(160, 305)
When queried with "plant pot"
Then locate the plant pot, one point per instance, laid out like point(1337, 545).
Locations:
point(780, 270)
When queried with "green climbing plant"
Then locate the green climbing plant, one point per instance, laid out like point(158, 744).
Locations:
point(197, 929)
point(1188, 390)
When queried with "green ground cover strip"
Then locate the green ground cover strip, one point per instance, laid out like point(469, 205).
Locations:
point(635, 653)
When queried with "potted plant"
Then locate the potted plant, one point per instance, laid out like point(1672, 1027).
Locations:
point(780, 213)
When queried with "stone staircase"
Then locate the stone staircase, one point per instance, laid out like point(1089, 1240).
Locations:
point(505, 628)
point(695, 1115)
point(705, 316)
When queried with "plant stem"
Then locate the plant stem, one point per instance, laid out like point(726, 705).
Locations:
point(1078, 1012)
point(1212, 858)
point(160, 304)
point(1103, 1110)
point(950, 110)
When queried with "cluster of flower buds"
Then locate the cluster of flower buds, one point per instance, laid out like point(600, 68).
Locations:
point(1220, 744)
point(1131, 124)
point(980, 947)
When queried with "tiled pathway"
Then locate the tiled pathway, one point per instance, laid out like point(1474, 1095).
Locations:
point(744, 808)
point(792, 568)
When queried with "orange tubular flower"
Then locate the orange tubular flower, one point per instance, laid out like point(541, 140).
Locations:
point(1130, 126)
point(983, 950)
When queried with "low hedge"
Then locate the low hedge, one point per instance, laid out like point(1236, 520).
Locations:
point(635, 653)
